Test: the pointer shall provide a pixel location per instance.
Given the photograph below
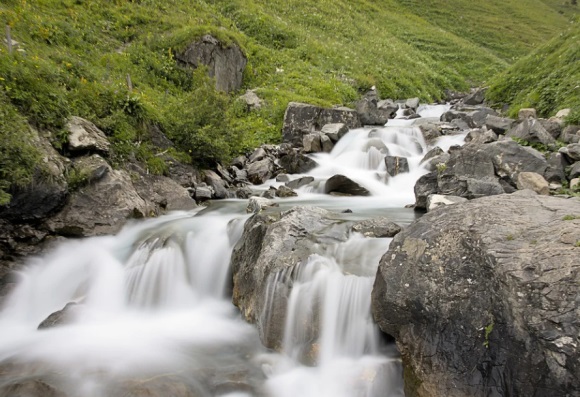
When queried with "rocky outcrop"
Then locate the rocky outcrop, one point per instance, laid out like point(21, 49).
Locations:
point(301, 119)
point(271, 243)
point(482, 298)
point(84, 136)
point(226, 64)
point(532, 131)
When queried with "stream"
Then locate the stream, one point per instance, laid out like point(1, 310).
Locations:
point(153, 313)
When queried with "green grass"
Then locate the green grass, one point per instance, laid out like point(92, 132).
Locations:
point(79, 52)
point(548, 79)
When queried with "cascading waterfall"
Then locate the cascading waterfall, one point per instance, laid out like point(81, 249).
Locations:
point(153, 301)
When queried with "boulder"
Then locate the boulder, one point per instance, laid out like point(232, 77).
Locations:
point(377, 227)
point(424, 187)
point(239, 162)
point(482, 298)
point(301, 119)
point(412, 103)
point(464, 121)
point(217, 184)
point(162, 194)
point(396, 165)
point(439, 200)
point(298, 183)
point(90, 168)
point(326, 143)
point(556, 171)
point(527, 113)
point(509, 159)
point(61, 317)
point(282, 178)
point(251, 100)
point(257, 204)
point(476, 97)
point(532, 131)
point(334, 131)
point(479, 136)
point(373, 112)
point(257, 155)
point(225, 63)
point(430, 132)
point(533, 181)
point(499, 125)
point(570, 134)
point(84, 136)
point(575, 170)
point(285, 191)
point(479, 116)
point(203, 193)
point(571, 152)
point(30, 388)
point(342, 185)
point(297, 163)
point(260, 171)
point(553, 128)
point(311, 143)
point(100, 208)
point(271, 245)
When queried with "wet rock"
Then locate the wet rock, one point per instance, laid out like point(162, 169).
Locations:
point(158, 386)
point(481, 297)
point(285, 191)
point(527, 113)
point(424, 187)
point(30, 388)
point(297, 163)
point(282, 178)
point(334, 131)
point(301, 119)
point(439, 200)
point(326, 143)
point(271, 245)
point(340, 184)
point(532, 131)
point(311, 143)
point(533, 181)
point(430, 132)
point(61, 317)
point(225, 63)
point(260, 171)
point(412, 103)
point(257, 204)
point(298, 183)
point(84, 136)
point(499, 125)
point(396, 165)
point(217, 184)
point(377, 227)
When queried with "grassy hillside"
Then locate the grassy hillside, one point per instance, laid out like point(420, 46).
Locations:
point(547, 79)
point(74, 56)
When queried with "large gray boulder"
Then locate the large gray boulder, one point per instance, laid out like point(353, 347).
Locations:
point(272, 244)
point(499, 125)
point(225, 63)
point(374, 112)
point(84, 136)
point(482, 298)
point(297, 163)
point(532, 131)
point(342, 185)
point(260, 171)
point(301, 119)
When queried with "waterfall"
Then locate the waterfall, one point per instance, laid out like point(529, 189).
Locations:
point(153, 302)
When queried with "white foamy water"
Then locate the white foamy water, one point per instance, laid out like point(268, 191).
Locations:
point(153, 302)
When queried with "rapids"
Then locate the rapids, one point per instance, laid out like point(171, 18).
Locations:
point(153, 308)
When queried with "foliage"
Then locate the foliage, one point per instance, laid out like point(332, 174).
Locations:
point(570, 217)
point(540, 147)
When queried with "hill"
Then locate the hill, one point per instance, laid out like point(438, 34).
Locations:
point(74, 57)
point(548, 79)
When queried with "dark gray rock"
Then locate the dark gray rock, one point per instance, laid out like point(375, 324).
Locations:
point(340, 184)
point(217, 184)
point(301, 119)
point(480, 136)
point(482, 298)
point(499, 125)
point(203, 193)
point(273, 244)
point(326, 143)
point(282, 178)
point(570, 134)
point(555, 173)
point(575, 170)
point(476, 97)
point(61, 317)
point(334, 131)
point(509, 159)
point(162, 194)
point(430, 132)
point(260, 171)
point(532, 131)
point(552, 127)
point(571, 152)
point(91, 168)
point(377, 227)
point(396, 165)
point(257, 155)
point(285, 191)
point(479, 116)
point(225, 64)
point(297, 163)
point(464, 121)
point(424, 187)
point(298, 183)
point(370, 113)
point(239, 162)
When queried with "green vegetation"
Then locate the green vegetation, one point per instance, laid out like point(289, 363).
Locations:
point(488, 329)
point(509, 237)
point(571, 217)
point(547, 79)
point(540, 147)
point(74, 57)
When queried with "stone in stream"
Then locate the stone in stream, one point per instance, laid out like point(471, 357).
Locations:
point(334, 131)
point(482, 298)
point(61, 317)
point(396, 165)
point(297, 163)
point(377, 227)
point(260, 171)
point(298, 183)
point(285, 191)
point(342, 185)
point(29, 388)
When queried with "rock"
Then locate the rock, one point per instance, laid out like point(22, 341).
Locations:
point(100, 208)
point(285, 191)
point(282, 178)
point(439, 200)
point(298, 183)
point(301, 119)
point(430, 132)
point(251, 100)
point(481, 297)
point(479, 116)
point(575, 183)
point(570, 134)
point(226, 64)
point(563, 113)
point(239, 162)
point(158, 138)
point(84, 136)
point(553, 128)
point(377, 227)
point(571, 152)
point(311, 143)
point(217, 184)
point(270, 247)
point(533, 181)
point(162, 193)
point(260, 171)
point(270, 193)
point(91, 168)
point(435, 152)
point(499, 125)
point(575, 170)
point(342, 185)
point(334, 131)
point(530, 130)
point(424, 187)
point(326, 143)
point(396, 165)
point(29, 388)
point(297, 163)
point(370, 113)
point(555, 173)
point(412, 103)
point(509, 159)
point(158, 386)
point(61, 317)
point(459, 119)
point(240, 176)
point(257, 204)
point(433, 162)
point(527, 113)
point(476, 97)
point(258, 155)
point(479, 136)
point(203, 193)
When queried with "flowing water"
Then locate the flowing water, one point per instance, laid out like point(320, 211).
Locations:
point(153, 311)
